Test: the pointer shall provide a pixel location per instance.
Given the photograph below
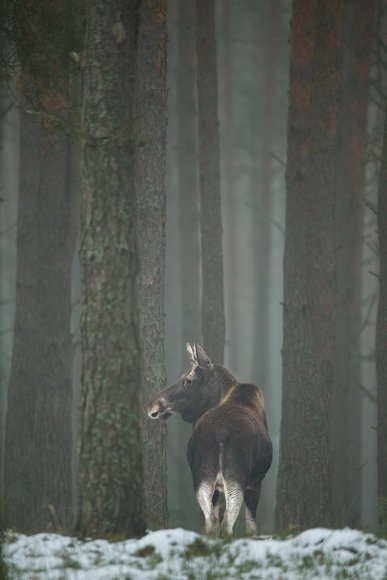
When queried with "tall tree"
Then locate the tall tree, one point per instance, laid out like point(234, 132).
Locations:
point(110, 463)
point(213, 322)
point(38, 421)
point(381, 338)
point(304, 489)
point(346, 431)
point(228, 154)
point(267, 61)
point(150, 113)
point(187, 175)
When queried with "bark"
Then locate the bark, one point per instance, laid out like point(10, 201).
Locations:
point(346, 425)
point(38, 423)
point(381, 340)
point(187, 168)
point(110, 462)
point(151, 120)
point(213, 322)
point(304, 489)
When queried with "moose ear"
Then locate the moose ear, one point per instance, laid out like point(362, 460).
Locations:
point(203, 360)
point(192, 354)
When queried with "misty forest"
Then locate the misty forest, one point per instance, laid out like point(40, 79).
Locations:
point(193, 189)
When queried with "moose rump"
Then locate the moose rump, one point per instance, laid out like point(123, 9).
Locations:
point(230, 452)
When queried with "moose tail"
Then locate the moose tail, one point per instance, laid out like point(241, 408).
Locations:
point(221, 438)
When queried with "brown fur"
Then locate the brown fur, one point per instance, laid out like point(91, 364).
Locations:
point(230, 449)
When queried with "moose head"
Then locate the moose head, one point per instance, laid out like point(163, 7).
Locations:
point(195, 392)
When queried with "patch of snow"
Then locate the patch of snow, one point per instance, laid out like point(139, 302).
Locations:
point(183, 554)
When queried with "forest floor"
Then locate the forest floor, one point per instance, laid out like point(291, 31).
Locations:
point(184, 555)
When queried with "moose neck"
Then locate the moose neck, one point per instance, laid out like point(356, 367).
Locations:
point(220, 382)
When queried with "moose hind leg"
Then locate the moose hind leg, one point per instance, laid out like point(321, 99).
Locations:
point(204, 494)
point(234, 497)
point(251, 497)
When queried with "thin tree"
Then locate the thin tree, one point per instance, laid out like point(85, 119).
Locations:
point(187, 176)
point(346, 430)
point(150, 113)
point(213, 321)
point(111, 482)
point(267, 55)
point(304, 489)
point(38, 421)
point(183, 252)
point(228, 149)
point(381, 339)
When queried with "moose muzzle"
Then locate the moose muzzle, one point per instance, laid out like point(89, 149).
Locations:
point(159, 410)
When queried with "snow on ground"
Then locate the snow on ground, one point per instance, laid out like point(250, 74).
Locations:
point(184, 555)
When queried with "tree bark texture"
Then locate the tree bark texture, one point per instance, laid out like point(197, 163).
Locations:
point(346, 430)
point(38, 422)
point(381, 339)
point(150, 130)
point(110, 461)
point(213, 320)
point(304, 489)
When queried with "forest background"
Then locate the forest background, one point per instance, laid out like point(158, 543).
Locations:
point(156, 157)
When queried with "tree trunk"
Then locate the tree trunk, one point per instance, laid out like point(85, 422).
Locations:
point(187, 168)
point(262, 181)
point(213, 322)
point(230, 206)
point(110, 464)
point(304, 490)
point(151, 121)
point(381, 339)
point(38, 424)
point(346, 425)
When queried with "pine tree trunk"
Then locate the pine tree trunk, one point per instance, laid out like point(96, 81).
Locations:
point(304, 489)
point(151, 120)
point(38, 423)
point(262, 181)
point(346, 425)
point(110, 464)
point(213, 322)
point(381, 339)
point(188, 179)
point(230, 210)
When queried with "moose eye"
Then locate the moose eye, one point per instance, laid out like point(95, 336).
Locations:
point(187, 382)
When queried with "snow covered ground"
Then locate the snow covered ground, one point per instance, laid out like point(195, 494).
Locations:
point(180, 554)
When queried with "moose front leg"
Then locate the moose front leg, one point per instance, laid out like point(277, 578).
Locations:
point(210, 511)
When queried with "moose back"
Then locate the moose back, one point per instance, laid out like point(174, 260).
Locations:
point(230, 449)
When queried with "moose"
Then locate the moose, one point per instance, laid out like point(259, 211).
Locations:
point(230, 450)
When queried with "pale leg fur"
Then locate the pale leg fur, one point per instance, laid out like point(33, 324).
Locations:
point(234, 497)
point(204, 496)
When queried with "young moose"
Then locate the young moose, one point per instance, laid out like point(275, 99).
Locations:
point(230, 449)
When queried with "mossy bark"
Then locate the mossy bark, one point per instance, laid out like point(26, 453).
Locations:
point(110, 462)
point(150, 115)
point(304, 489)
